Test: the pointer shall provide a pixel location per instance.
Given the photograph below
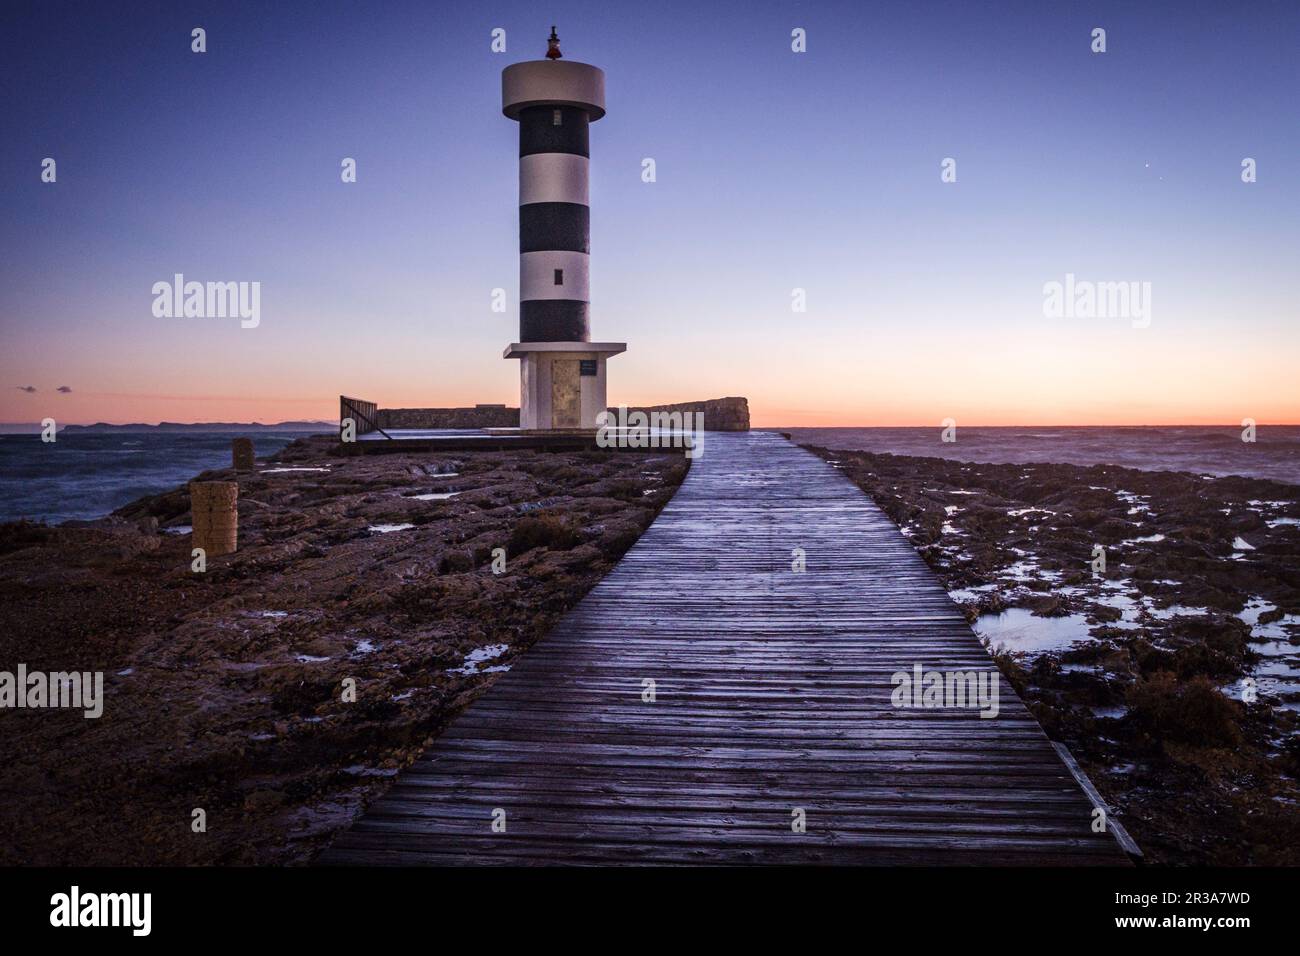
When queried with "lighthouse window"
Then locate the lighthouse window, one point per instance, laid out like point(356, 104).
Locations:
point(555, 118)
point(559, 277)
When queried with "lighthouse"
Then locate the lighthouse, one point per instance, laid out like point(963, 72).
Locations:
point(561, 371)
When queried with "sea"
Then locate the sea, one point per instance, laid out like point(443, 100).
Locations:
point(1203, 450)
point(86, 475)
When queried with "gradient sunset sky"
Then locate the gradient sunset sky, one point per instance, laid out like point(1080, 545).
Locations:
point(775, 170)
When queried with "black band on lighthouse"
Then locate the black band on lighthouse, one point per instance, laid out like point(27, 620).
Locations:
point(539, 133)
point(553, 320)
point(546, 226)
point(554, 232)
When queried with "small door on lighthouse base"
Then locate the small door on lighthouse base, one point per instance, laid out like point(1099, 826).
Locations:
point(566, 394)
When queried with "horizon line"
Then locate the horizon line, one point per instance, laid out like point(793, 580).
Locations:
point(959, 425)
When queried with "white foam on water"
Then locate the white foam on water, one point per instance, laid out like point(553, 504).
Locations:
point(361, 770)
point(1027, 570)
point(1129, 609)
point(480, 655)
point(1112, 713)
point(971, 594)
point(1278, 630)
point(1174, 610)
point(1149, 539)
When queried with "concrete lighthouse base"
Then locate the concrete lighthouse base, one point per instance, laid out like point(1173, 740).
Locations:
point(562, 384)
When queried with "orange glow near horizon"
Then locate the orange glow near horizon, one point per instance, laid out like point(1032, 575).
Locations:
point(840, 371)
point(771, 408)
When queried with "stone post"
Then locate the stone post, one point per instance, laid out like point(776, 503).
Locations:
point(214, 506)
point(242, 454)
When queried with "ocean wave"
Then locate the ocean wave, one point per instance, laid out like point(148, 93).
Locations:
point(88, 476)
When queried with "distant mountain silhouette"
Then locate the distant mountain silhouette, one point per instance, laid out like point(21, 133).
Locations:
point(27, 428)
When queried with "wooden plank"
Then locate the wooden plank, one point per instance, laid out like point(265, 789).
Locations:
point(772, 694)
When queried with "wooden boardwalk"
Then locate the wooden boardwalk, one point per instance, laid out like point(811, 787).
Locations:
point(772, 694)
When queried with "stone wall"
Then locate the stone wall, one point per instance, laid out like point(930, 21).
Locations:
point(720, 414)
point(482, 416)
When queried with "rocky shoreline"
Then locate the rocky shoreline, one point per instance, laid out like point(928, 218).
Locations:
point(1173, 674)
point(224, 690)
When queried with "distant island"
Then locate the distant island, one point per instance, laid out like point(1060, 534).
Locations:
point(27, 428)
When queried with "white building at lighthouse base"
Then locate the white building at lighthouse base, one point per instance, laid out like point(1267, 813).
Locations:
point(562, 384)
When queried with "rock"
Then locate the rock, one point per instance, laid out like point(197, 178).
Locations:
point(1118, 661)
point(235, 676)
point(261, 801)
point(1048, 605)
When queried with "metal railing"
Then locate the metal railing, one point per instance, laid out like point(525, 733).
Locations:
point(364, 414)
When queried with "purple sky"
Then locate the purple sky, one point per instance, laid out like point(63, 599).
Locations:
point(776, 171)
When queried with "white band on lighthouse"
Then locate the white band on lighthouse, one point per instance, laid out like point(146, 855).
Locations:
point(553, 177)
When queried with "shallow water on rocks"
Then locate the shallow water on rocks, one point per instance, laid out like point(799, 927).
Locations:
point(1017, 630)
point(1278, 644)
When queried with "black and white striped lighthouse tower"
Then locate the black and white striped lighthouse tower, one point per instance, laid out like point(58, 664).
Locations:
point(562, 372)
